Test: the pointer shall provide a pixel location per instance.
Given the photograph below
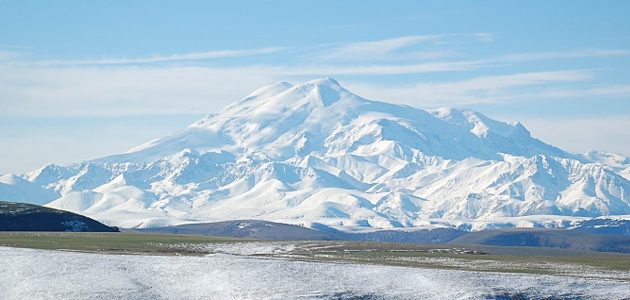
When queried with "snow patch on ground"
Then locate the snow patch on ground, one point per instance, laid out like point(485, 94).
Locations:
point(39, 274)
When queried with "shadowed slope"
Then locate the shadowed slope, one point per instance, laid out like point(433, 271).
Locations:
point(28, 217)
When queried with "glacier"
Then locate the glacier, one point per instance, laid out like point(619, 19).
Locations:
point(315, 153)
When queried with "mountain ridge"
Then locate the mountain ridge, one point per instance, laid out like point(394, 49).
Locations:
point(317, 153)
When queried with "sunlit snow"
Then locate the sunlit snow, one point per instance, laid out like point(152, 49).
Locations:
point(39, 274)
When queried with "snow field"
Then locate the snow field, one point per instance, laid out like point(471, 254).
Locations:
point(39, 274)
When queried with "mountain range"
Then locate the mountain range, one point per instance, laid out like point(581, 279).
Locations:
point(315, 154)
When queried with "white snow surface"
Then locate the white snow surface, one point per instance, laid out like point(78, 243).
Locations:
point(39, 274)
point(317, 153)
point(613, 161)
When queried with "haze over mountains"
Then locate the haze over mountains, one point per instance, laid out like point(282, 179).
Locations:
point(315, 153)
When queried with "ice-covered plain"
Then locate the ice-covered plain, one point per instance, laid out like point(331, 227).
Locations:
point(41, 274)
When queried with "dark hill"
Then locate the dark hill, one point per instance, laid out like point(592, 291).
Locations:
point(29, 217)
point(254, 229)
point(421, 236)
point(554, 238)
point(266, 230)
point(605, 226)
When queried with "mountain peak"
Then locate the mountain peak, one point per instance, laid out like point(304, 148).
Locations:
point(324, 81)
point(282, 121)
point(276, 88)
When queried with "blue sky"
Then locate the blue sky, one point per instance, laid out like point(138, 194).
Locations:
point(85, 79)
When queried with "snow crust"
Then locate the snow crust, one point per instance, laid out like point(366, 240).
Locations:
point(316, 153)
point(39, 274)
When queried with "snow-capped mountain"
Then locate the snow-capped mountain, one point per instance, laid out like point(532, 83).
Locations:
point(317, 153)
point(613, 161)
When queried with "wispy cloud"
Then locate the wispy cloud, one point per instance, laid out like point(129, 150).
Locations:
point(168, 58)
point(92, 87)
point(123, 91)
point(132, 90)
point(490, 83)
point(534, 56)
point(374, 69)
point(483, 89)
point(399, 48)
point(612, 90)
point(484, 37)
point(401, 55)
point(374, 49)
point(9, 55)
point(129, 90)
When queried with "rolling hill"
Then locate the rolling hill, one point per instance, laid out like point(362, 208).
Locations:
point(28, 217)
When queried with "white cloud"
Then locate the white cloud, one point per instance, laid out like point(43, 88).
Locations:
point(484, 89)
point(533, 56)
point(29, 90)
point(613, 90)
point(484, 37)
point(168, 58)
point(100, 91)
point(399, 48)
point(82, 91)
point(332, 70)
point(8, 55)
point(374, 50)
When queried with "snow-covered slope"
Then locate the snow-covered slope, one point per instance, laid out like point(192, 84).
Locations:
point(613, 161)
point(315, 152)
point(17, 189)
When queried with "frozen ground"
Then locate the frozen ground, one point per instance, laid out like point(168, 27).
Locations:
point(39, 274)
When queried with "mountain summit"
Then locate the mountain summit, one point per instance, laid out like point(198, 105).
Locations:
point(315, 153)
point(321, 118)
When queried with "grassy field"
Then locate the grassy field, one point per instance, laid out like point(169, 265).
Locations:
point(579, 266)
point(130, 243)
point(509, 259)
